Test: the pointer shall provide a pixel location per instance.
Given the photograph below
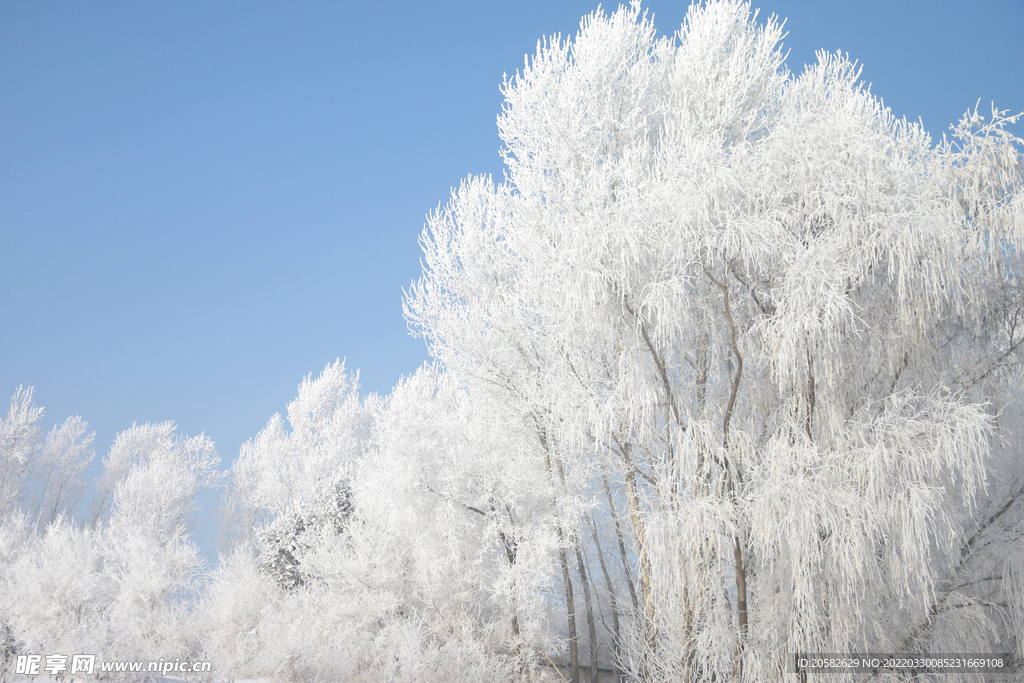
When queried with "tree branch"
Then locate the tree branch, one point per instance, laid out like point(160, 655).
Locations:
point(659, 362)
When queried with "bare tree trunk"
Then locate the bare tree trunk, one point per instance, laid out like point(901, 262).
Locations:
point(570, 603)
point(570, 607)
point(591, 625)
point(731, 485)
point(616, 631)
point(622, 544)
point(636, 516)
point(510, 553)
point(687, 634)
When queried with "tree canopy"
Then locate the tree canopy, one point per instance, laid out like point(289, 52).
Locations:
point(726, 368)
point(779, 315)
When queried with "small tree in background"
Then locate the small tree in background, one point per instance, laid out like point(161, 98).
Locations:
point(430, 564)
point(296, 532)
point(282, 470)
point(43, 476)
point(116, 587)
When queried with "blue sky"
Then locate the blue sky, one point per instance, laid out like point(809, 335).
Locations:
point(200, 203)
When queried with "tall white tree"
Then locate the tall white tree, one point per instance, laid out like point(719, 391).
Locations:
point(776, 314)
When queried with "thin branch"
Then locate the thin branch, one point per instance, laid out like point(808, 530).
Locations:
point(767, 307)
point(450, 499)
point(976, 582)
point(736, 352)
point(659, 362)
point(995, 365)
point(969, 546)
point(965, 553)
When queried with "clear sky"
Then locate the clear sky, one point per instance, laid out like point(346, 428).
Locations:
point(200, 203)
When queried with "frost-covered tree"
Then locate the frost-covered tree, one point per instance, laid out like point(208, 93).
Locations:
point(151, 477)
point(429, 561)
point(283, 469)
point(290, 487)
point(114, 588)
point(457, 497)
point(776, 317)
point(290, 536)
point(43, 476)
